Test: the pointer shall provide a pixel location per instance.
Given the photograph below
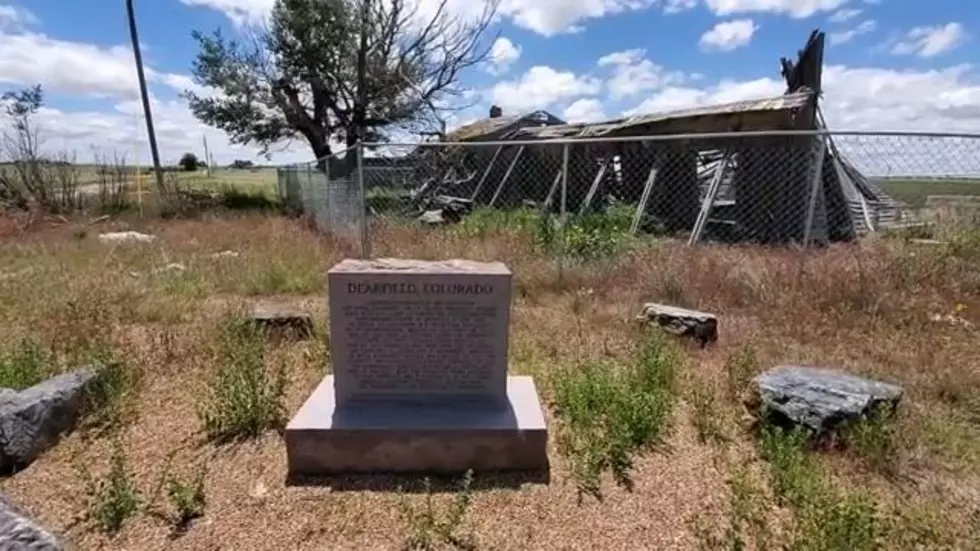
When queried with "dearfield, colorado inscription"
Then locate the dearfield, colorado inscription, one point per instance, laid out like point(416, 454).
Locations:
point(426, 334)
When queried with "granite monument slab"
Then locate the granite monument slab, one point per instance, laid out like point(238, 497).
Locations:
point(419, 384)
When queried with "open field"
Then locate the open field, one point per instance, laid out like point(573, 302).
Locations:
point(706, 482)
point(914, 192)
point(255, 180)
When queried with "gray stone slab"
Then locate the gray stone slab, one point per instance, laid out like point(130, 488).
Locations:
point(419, 331)
point(33, 420)
point(324, 438)
point(19, 531)
point(822, 398)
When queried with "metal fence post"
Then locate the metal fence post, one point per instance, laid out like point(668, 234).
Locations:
point(814, 191)
point(362, 202)
point(563, 211)
point(306, 194)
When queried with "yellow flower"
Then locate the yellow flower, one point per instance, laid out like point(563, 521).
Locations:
point(960, 307)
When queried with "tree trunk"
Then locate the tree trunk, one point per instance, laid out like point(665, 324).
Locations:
point(321, 151)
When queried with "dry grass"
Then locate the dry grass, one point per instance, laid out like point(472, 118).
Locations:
point(867, 307)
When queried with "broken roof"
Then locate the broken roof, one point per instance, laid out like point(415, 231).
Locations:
point(653, 123)
point(485, 127)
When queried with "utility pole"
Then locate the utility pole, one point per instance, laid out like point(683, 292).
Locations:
point(145, 95)
point(207, 156)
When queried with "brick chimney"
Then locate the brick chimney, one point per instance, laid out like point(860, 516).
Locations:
point(496, 112)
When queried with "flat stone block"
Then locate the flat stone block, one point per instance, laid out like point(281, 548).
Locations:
point(702, 326)
point(283, 319)
point(397, 437)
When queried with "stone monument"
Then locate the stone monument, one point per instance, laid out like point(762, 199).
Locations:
point(419, 383)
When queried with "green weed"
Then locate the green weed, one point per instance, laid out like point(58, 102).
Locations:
point(26, 365)
point(795, 477)
point(110, 397)
point(610, 413)
point(187, 498)
point(245, 397)
point(825, 518)
point(741, 366)
point(279, 279)
point(429, 528)
point(875, 438)
point(114, 498)
point(706, 416)
point(745, 521)
point(839, 522)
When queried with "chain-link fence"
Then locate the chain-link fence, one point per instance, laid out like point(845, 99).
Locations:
point(328, 192)
point(775, 188)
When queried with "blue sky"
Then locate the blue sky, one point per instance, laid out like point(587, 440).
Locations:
point(891, 64)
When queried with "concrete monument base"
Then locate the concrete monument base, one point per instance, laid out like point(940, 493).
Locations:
point(323, 439)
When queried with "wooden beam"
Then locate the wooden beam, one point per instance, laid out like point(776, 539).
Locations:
point(595, 186)
point(709, 199)
point(486, 173)
point(644, 198)
point(503, 180)
point(551, 192)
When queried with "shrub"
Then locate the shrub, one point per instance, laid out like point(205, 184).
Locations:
point(844, 521)
point(745, 518)
point(793, 473)
point(609, 413)
point(429, 528)
point(824, 517)
point(741, 366)
point(114, 498)
point(706, 415)
point(109, 397)
point(26, 365)
point(245, 397)
point(875, 438)
point(188, 499)
point(486, 221)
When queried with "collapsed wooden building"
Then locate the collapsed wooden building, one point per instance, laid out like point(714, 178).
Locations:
point(723, 186)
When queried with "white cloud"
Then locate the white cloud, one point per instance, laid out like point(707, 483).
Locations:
point(64, 66)
point(798, 9)
point(859, 98)
point(239, 11)
point(503, 54)
point(931, 41)
point(632, 73)
point(842, 37)
point(551, 17)
point(729, 35)
point(541, 87)
point(545, 17)
point(677, 6)
point(88, 70)
point(874, 99)
point(584, 110)
point(123, 131)
point(15, 18)
point(622, 57)
point(845, 15)
point(69, 67)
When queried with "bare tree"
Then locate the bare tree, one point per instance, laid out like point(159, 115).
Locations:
point(51, 182)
